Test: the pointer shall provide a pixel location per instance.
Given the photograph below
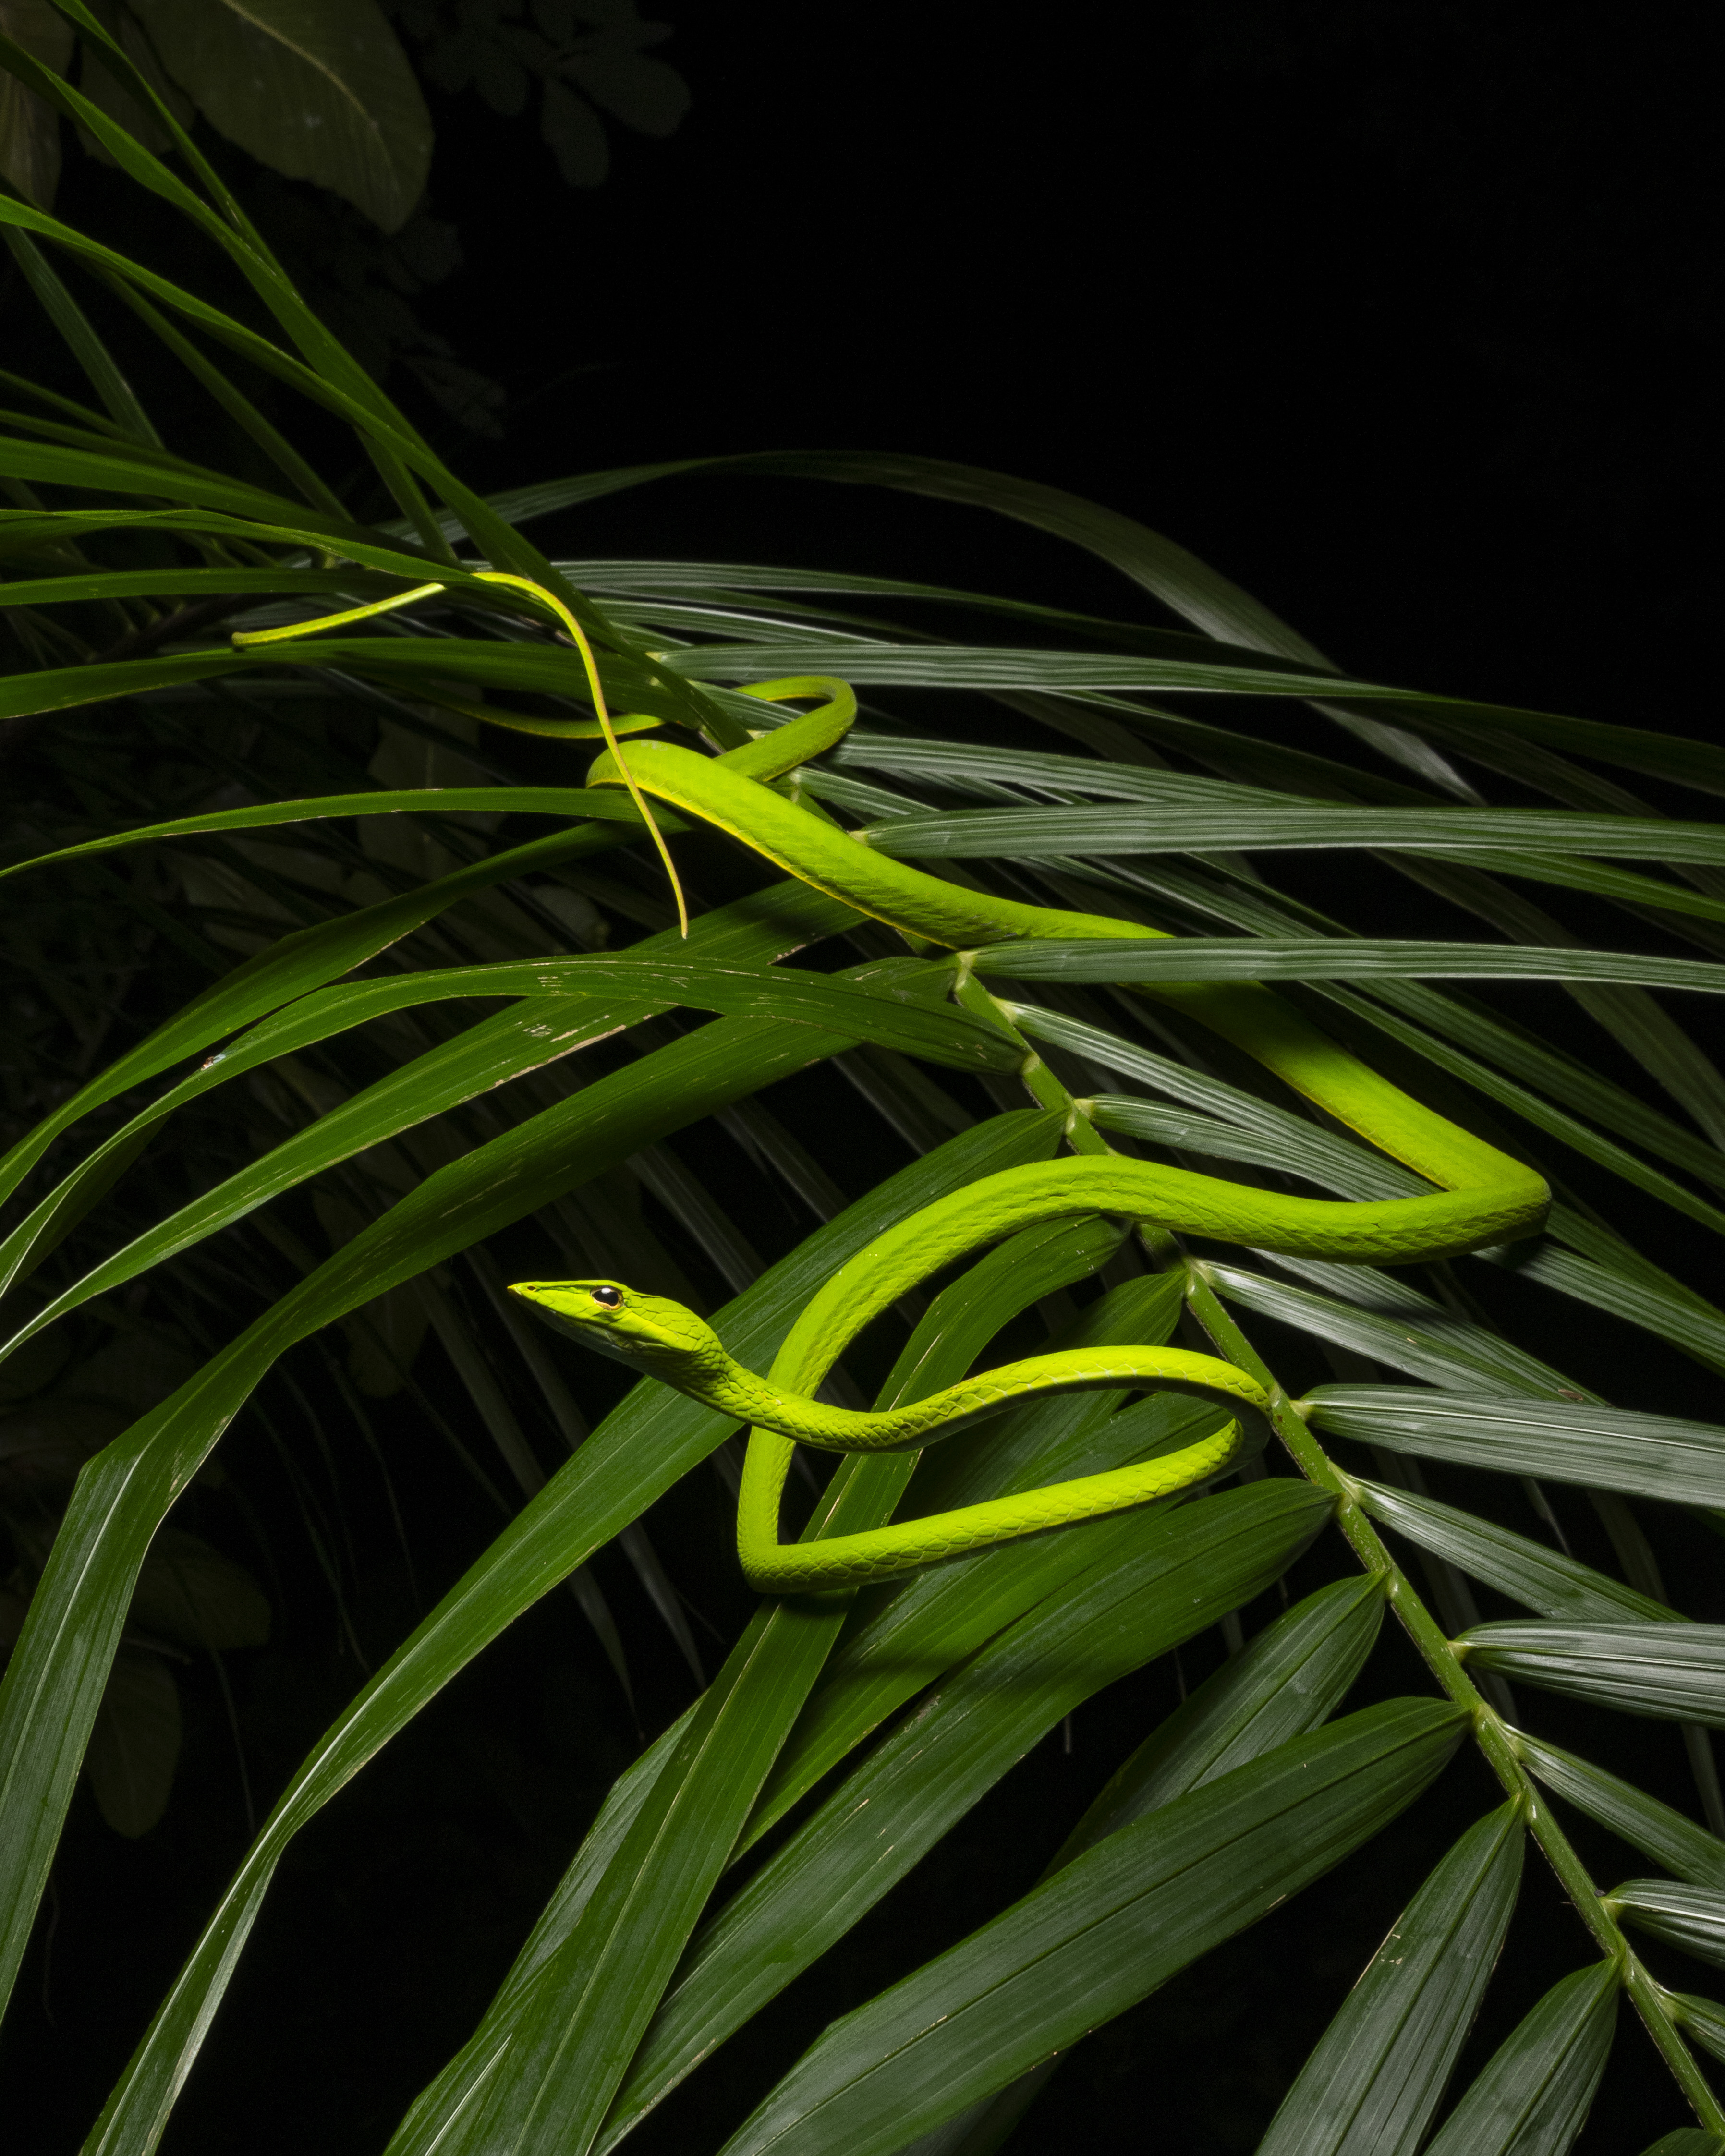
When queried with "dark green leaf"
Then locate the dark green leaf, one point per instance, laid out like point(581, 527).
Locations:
point(1693, 1917)
point(1643, 1455)
point(1377, 1314)
point(1378, 2072)
point(1533, 2097)
point(1150, 960)
point(1152, 1582)
point(1673, 1671)
point(319, 89)
point(1288, 1680)
point(1102, 1933)
point(1641, 1820)
point(1554, 1584)
point(1195, 820)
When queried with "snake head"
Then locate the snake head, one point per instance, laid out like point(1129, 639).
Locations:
point(646, 1331)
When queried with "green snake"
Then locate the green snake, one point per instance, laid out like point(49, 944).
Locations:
point(1481, 1197)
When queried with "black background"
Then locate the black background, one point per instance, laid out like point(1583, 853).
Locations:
point(1399, 315)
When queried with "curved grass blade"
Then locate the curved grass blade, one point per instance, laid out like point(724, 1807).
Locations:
point(104, 375)
point(1641, 1456)
point(1379, 2071)
point(1105, 1931)
point(1533, 2097)
point(636, 1454)
point(537, 1031)
point(1686, 2141)
point(1677, 1672)
point(1377, 1315)
point(1188, 586)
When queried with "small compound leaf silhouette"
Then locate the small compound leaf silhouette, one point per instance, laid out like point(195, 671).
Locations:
point(30, 129)
point(135, 1744)
point(575, 135)
point(643, 93)
point(320, 90)
point(194, 1595)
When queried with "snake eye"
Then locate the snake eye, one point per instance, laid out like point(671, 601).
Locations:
point(608, 1296)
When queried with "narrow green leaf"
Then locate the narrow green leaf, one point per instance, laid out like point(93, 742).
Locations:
point(1642, 1455)
point(643, 1447)
point(1533, 2097)
point(1661, 1307)
point(1152, 1582)
point(1641, 1820)
point(1673, 1671)
point(1377, 1314)
point(1555, 1585)
point(1686, 2141)
point(424, 800)
point(190, 583)
point(104, 375)
point(1288, 1680)
point(1101, 1934)
point(1196, 821)
point(1147, 961)
point(537, 1031)
point(1379, 2070)
point(1693, 1917)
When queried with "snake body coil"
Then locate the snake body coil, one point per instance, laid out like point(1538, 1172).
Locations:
point(1482, 1197)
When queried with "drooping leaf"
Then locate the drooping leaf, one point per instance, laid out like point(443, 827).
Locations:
point(320, 90)
point(1286, 1681)
point(1544, 1579)
point(1102, 1933)
point(1379, 2071)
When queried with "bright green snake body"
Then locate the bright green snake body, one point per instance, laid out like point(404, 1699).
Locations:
point(1483, 1197)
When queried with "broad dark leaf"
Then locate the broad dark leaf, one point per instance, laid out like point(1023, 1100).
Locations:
point(1378, 2072)
point(1108, 1928)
